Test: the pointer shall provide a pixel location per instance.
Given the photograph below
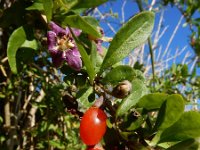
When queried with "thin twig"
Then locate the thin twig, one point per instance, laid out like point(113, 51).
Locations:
point(122, 11)
point(172, 36)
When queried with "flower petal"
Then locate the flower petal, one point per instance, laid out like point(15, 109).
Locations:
point(76, 31)
point(57, 58)
point(73, 59)
point(57, 29)
point(99, 46)
point(51, 40)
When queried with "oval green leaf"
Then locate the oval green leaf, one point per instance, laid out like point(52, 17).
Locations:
point(187, 127)
point(16, 39)
point(119, 73)
point(170, 111)
point(152, 101)
point(134, 33)
point(138, 90)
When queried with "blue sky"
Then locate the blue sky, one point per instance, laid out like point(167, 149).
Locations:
point(171, 18)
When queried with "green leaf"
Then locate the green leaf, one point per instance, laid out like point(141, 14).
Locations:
point(88, 64)
point(48, 5)
point(79, 22)
point(30, 44)
point(57, 144)
point(184, 71)
point(187, 127)
point(134, 33)
point(170, 111)
point(119, 73)
point(67, 5)
point(138, 90)
point(91, 20)
point(16, 39)
point(152, 101)
point(89, 3)
point(93, 54)
point(189, 144)
point(36, 6)
point(136, 124)
point(82, 98)
point(22, 37)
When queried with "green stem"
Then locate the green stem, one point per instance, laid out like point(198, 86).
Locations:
point(152, 57)
point(139, 3)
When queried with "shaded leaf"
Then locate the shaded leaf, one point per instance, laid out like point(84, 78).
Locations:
point(134, 33)
point(119, 73)
point(170, 111)
point(136, 124)
point(25, 55)
point(189, 144)
point(138, 90)
point(152, 101)
point(187, 127)
point(48, 5)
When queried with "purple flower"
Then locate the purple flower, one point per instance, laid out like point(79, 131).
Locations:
point(98, 41)
point(99, 46)
point(62, 47)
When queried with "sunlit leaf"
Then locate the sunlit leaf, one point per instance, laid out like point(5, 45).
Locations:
point(152, 101)
point(86, 59)
point(134, 33)
point(17, 38)
point(79, 22)
point(138, 90)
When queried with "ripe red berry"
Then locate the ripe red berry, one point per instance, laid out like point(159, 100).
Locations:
point(93, 126)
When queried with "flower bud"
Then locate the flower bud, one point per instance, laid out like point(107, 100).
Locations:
point(122, 90)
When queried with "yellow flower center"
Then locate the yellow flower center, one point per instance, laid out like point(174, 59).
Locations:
point(64, 43)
